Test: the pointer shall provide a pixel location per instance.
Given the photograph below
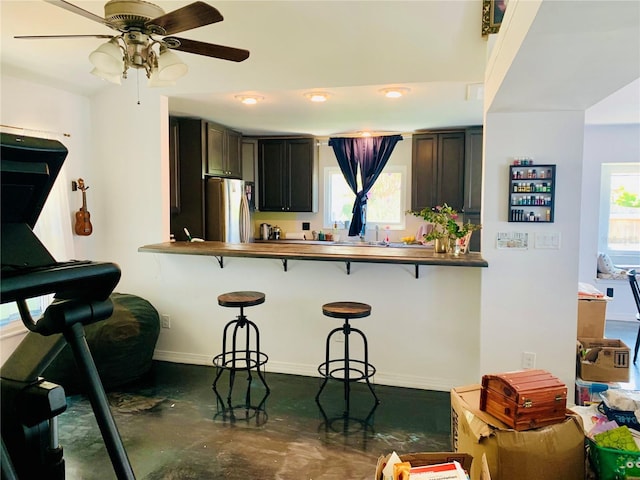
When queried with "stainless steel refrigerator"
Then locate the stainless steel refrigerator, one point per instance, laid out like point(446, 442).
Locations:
point(227, 216)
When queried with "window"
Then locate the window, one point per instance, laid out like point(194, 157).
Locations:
point(619, 224)
point(9, 311)
point(385, 204)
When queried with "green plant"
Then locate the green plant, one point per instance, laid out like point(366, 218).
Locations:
point(624, 198)
point(445, 223)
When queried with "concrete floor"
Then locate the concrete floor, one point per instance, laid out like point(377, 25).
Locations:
point(173, 428)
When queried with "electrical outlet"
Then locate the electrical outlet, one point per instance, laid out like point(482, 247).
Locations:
point(528, 360)
point(306, 226)
point(166, 321)
point(610, 292)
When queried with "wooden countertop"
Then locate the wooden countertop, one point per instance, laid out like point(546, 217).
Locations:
point(330, 252)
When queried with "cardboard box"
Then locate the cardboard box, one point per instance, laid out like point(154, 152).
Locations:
point(591, 317)
point(427, 458)
point(554, 451)
point(603, 360)
point(588, 393)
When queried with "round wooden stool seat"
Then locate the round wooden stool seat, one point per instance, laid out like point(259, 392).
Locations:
point(241, 299)
point(346, 310)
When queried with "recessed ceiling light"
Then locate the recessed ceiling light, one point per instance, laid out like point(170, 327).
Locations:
point(394, 92)
point(249, 99)
point(317, 96)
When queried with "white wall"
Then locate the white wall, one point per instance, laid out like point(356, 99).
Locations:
point(529, 297)
point(604, 144)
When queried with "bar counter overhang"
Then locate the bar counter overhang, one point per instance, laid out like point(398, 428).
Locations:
point(285, 251)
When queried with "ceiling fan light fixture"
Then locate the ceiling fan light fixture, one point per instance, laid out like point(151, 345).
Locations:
point(140, 23)
point(249, 99)
point(317, 97)
point(170, 67)
point(117, 79)
point(394, 92)
point(108, 58)
point(155, 82)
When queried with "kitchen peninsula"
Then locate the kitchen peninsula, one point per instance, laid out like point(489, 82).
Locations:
point(401, 254)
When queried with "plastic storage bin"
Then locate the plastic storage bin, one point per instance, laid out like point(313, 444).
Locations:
point(611, 464)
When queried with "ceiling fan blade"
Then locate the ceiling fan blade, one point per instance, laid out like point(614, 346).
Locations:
point(40, 37)
point(80, 11)
point(191, 16)
point(207, 49)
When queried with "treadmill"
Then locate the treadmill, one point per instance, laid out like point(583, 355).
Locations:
point(30, 405)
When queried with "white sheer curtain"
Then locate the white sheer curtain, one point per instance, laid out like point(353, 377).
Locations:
point(54, 228)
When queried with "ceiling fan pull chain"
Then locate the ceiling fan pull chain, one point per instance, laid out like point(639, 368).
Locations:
point(138, 84)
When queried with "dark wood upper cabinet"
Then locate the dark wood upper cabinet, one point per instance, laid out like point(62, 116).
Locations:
point(438, 169)
point(473, 170)
point(223, 152)
point(287, 175)
point(447, 168)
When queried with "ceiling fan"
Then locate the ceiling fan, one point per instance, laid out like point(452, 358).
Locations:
point(142, 42)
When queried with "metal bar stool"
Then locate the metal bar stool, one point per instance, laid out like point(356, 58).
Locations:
point(346, 369)
point(236, 358)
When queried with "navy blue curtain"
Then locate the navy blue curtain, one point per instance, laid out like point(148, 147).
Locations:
point(371, 155)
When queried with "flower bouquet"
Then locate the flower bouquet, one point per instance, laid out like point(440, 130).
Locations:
point(446, 229)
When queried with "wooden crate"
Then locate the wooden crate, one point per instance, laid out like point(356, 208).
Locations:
point(524, 399)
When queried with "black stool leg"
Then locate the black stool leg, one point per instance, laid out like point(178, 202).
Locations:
point(221, 368)
point(346, 328)
point(240, 323)
point(366, 363)
point(258, 353)
point(327, 362)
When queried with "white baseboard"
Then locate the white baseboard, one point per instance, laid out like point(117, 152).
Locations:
point(393, 380)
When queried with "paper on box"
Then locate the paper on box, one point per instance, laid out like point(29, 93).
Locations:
point(387, 471)
point(554, 451)
point(427, 458)
point(440, 471)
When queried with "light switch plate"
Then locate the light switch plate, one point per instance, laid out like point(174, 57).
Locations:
point(548, 240)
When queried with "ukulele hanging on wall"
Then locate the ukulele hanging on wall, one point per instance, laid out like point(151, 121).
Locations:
point(83, 217)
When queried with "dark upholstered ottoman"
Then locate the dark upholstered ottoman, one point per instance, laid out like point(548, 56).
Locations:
point(122, 346)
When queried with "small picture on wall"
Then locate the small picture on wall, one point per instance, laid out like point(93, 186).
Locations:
point(492, 14)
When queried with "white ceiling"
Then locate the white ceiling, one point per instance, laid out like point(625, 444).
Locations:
point(350, 49)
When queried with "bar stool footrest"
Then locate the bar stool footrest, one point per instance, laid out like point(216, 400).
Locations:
point(367, 371)
point(244, 360)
